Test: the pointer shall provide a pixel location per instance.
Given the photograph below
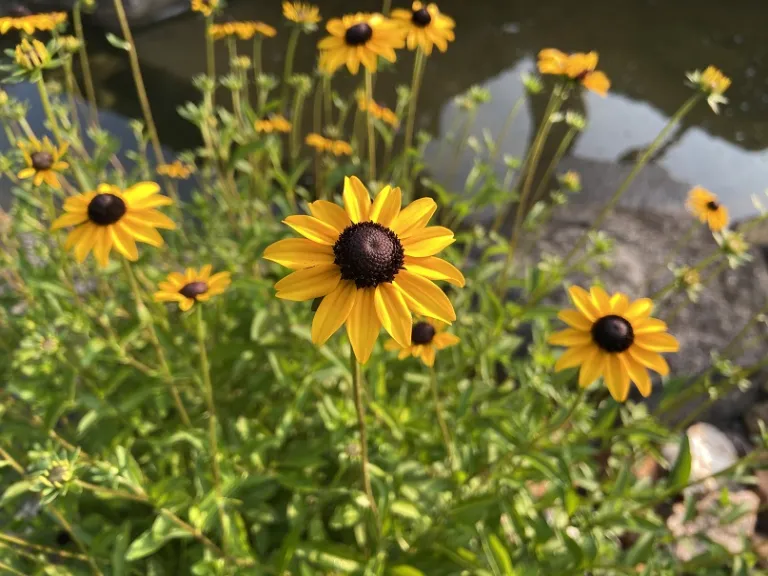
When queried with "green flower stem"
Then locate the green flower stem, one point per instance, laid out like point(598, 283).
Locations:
point(418, 74)
point(296, 115)
point(69, 78)
point(257, 66)
point(210, 55)
point(205, 373)
point(328, 99)
point(317, 127)
point(561, 150)
point(236, 103)
point(290, 54)
point(357, 385)
point(48, 109)
point(441, 419)
point(663, 292)
point(641, 162)
point(141, 91)
point(511, 115)
point(385, 7)
point(371, 134)
point(85, 65)
point(142, 312)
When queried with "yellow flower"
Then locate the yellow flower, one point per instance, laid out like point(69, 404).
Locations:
point(427, 337)
point(301, 13)
point(707, 208)
point(247, 30)
point(379, 112)
point(205, 7)
point(371, 263)
point(43, 160)
point(713, 82)
point(425, 27)
point(219, 31)
point(109, 217)
point(175, 170)
point(613, 338)
point(276, 123)
point(192, 286)
point(32, 55)
point(31, 23)
point(580, 67)
point(341, 148)
point(359, 39)
point(318, 142)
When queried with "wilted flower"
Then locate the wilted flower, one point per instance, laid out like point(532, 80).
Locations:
point(302, 13)
point(176, 169)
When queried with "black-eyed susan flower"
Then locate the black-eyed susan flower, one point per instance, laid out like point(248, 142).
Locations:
point(43, 161)
point(371, 263)
point(191, 287)
point(247, 30)
point(341, 148)
point(25, 21)
point(359, 39)
point(713, 82)
point(322, 144)
point(204, 7)
point(579, 67)
point(425, 27)
point(377, 111)
point(224, 30)
point(32, 54)
point(706, 207)
point(428, 336)
point(112, 218)
point(301, 13)
point(276, 123)
point(176, 169)
point(610, 336)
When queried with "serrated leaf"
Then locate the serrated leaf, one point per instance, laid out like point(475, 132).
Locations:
point(118, 43)
point(681, 471)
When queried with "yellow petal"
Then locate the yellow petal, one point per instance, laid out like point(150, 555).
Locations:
point(428, 355)
point(309, 283)
point(639, 309)
point(153, 218)
point(413, 217)
point(638, 374)
point(140, 191)
point(333, 311)
point(313, 229)
point(151, 202)
point(386, 206)
point(428, 241)
point(444, 340)
point(363, 325)
point(619, 304)
point(140, 231)
point(649, 326)
point(186, 304)
point(331, 214)
point(166, 296)
point(616, 377)
point(357, 201)
point(435, 269)
point(69, 219)
point(26, 173)
point(597, 82)
point(85, 243)
point(657, 342)
point(205, 273)
point(102, 246)
point(572, 357)
point(124, 243)
point(297, 253)
point(583, 301)
point(570, 337)
point(601, 300)
point(652, 360)
point(424, 297)
point(592, 367)
point(219, 281)
point(392, 345)
point(393, 312)
point(575, 319)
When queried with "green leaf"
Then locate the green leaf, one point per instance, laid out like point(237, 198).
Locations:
point(405, 510)
point(642, 549)
point(119, 550)
point(404, 570)
point(15, 490)
point(681, 471)
point(150, 541)
point(501, 555)
point(118, 42)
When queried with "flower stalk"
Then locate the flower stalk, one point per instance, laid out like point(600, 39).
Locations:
point(369, 122)
point(85, 65)
point(441, 419)
point(357, 394)
point(418, 74)
point(290, 54)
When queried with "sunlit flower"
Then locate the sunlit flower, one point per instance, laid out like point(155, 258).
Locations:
point(31, 23)
point(43, 161)
point(109, 217)
point(377, 111)
point(580, 67)
point(613, 338)
point(276, 123)
point(359, 38)
point(371, 263)
point(191, 287)
point(247, 30)
point(301, 12)
point(32, 55)
point(426, 27)
point(176, 170)
point(707, 208)
point(427, 337)
point(713, 82)
point(205, 7)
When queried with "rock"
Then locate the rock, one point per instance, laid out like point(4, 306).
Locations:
point(708, 523)
point(755, 415)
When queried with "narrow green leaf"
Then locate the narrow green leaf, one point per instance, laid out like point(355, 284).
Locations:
point(118, 43)
point(642, 549)
point(118, 552)
point(681, 471)
point(15, 490)
point(404, 570)
point(501, 555)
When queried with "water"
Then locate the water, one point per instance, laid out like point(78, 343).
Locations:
point(645, 47)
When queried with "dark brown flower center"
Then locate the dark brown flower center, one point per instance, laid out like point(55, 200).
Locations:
point(106, 209)
point(194, 289)
point(613, 333)
point(369, 254)
point(358, 34)
point(422, 333)
point(42, 161)
point(421, 18)
point(712, 205)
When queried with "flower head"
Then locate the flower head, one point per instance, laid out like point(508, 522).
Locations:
point(176, 170)
point(379, 112)
point(707, 208)
point(425, 27)
point(359, 39)
point(30, 23)
point(712, 82)
point(302, 13)
point(109, 217)
point(276, 123)
point(32, 55)
point(322, 144)
point(43, 161)
point(204, 7)
point(427, 337)
point(579, 67)
point(191, 287)
point(371, 263)
point(610, 336)
point(247, 30)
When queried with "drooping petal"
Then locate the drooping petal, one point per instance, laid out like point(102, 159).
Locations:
point(424, 297)
point(363, 324)
point(413, 217)
point(657, 342)
point(638, 373)
point(297, 253)
point(309, 283)
point(570, 337)
point(85, 243)
point(333, 311)
point(444, 340)
point(313, 229)
point(616, 378)
point(652, 360)
point(140, 231)
point(428, 355)
point(186, 304)
point(357, 201)
point(102, 246)
point(575, 319)
point(435, 269)
point(592, 367)
point(393, 312)
point(331, 214)
point(572, 357)
point(427, 241)
point(597, 82)
point(583, 301)
point(386, 206)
